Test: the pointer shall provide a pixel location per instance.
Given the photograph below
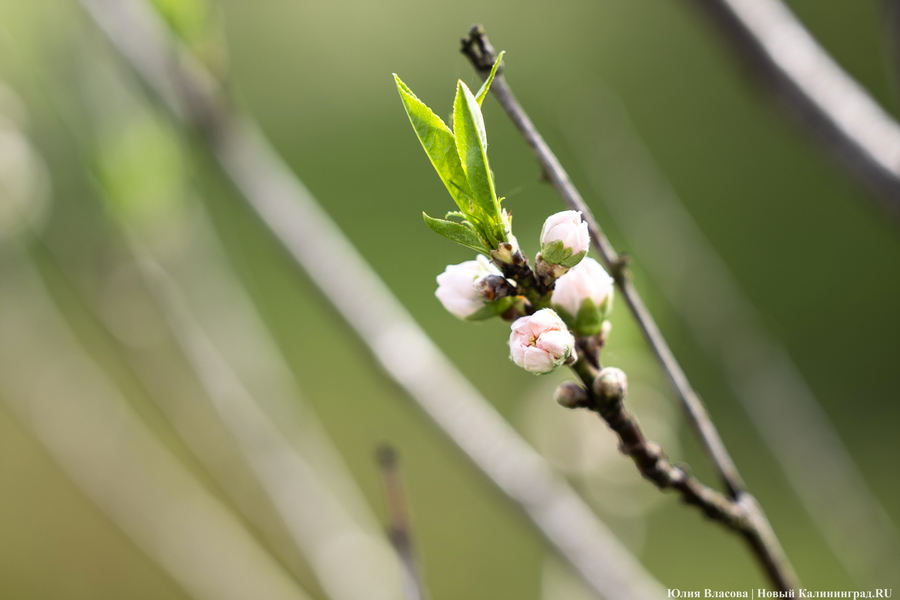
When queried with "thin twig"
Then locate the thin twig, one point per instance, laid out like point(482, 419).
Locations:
point(478, 49)
point(480, 52)
point(400, 530)
point(383, 325)
point(757, 366)
point(830, 102)
point(741, 514)
point(648, 456)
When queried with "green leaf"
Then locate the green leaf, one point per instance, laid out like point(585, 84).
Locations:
point(440, 146)
point(479, 97)
point(471, 142)
point(456, 232)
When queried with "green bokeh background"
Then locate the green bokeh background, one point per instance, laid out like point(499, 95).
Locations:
point(797, 231)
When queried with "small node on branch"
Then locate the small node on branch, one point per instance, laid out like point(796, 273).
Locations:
point(619, 268)
point(479, 50)
point(611, 385)
point(570, 394)
point(386, 457)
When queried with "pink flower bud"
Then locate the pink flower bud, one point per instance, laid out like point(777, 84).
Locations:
point(564, 238)
point(456, 286)
point(541, 342)
point(583, 296)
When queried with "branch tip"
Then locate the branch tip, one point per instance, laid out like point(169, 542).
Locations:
point(479, 50)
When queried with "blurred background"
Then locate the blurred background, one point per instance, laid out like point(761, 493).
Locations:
point(161, 355)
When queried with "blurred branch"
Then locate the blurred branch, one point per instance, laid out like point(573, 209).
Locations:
point(222, 422)
point(64, 399)
point(387, 329)
point(757, 366)
point(313, 515)
point(837, 109)
point(890, 30)
point(400, 530)
point(766, 546)
point(313, 508)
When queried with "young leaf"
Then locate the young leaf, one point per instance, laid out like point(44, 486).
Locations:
point(471, 142)
point(456, 232)
point(440, 145)
point(486, 86)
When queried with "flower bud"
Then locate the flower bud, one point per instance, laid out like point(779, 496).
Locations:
point(494, 287)
point(570, 395)
point(508, 253)
point(459, 290)
point(564, 238)
point(583, 297)
point(611, 384)
point(540, 342)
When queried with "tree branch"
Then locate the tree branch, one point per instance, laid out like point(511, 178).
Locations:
point(604, 395)
point(478, 49)
point(607, 401)
point(395, 340)
point(758, 368)
point(400, 530)
point(836, 108)
point(313, 514)
point(481, 54)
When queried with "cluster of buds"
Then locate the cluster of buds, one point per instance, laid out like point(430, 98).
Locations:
point(566, 297)
point(573, 298)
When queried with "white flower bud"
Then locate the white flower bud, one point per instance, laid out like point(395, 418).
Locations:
point(583, 297)
point(457, 291)
point(564, 238)
point(541, 342)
